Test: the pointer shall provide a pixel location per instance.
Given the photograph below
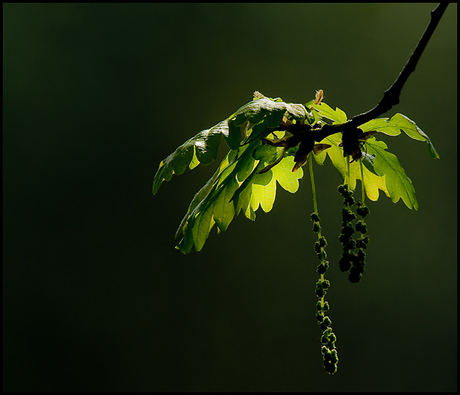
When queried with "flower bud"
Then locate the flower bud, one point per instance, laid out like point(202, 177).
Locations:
point(320, 293)
point(316, 227)
point(344, 264)
point(354, 275)
point(349, 201)
point(348, 215)
point(321, 255)
point(361, 226)
point(362, 211)
point(317, 247)
point(314, 217)
point(330, 367)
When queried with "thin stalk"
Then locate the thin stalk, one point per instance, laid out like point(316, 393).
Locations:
point(363, 195)
point(315, 202)
point(348, 172)
point(313, 187)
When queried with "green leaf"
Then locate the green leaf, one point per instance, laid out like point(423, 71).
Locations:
point(324, 111)
point(263, 192)
point(368, 161)
point(200, 148)
point(393, 127)
point(320, 158)
point(226, 166)
point(386, 164)
point(372, 182)
point(284, 175)
point(232, 139)
point(236, 186)
point(212, 204)
point(248, 181)
point(254, 120)
point(267, 153)
point(207, 143)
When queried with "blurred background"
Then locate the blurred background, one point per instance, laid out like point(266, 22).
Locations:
point(96, 298)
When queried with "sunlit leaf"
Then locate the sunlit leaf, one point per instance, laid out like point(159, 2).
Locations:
point(284, 175)
point(325, 111)
point(399, 186)
point(246, 178)
point(372, 182)
point(393, 127)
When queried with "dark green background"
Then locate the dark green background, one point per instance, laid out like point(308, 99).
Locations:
point(96, 298)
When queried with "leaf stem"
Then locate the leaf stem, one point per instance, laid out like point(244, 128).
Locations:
point(312, 179)
point(348, 181)
point(363, 194)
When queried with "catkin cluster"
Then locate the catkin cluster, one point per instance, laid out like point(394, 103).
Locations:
point(353, 261)
point(328, 338)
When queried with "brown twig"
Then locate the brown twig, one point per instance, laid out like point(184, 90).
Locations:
point(391, 95)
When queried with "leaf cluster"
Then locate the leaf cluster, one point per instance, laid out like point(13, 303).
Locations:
point(259, 158)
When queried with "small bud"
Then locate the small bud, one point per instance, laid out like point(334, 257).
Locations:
point(354, 275)
point(323, 284)
point(361, 226)
point(350, 255)
point(363, 211)
point(314, 217)
point(327, 332)
point(318, 306)
point(330, 345)
point(327, 321)
point(342, 189)
point(361, 254)
point(349, 201)
point(321, 255)
point(316, 227)
point(359, 265)
point(348, 230)
point(350, 244)
point(344, 264)
point(326, 306)
point(348, 215)
point(321, 268)
point(317, 247)
point(320, 293)
point(330, 367)
point(322, 241)
point(334, 356)
point(332, 337)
